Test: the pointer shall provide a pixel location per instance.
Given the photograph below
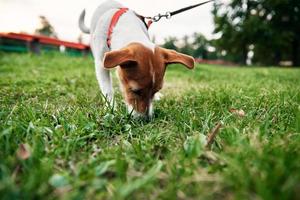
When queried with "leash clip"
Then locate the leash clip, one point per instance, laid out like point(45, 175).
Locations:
point(159, 16)
point(168, 15)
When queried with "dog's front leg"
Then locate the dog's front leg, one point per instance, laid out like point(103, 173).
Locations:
point(105, 82)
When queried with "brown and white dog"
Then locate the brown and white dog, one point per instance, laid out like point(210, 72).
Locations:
point(119, 39)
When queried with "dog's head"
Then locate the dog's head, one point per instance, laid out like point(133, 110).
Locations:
point(141, 73)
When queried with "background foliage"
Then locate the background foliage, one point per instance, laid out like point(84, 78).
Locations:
point(267, 29)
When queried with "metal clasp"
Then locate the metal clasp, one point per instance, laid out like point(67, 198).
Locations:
point(159, 16)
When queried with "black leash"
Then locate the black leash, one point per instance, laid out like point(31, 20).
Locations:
point(168, 15)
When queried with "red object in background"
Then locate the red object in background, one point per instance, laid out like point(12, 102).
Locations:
point(44, 40)
point(214, 62)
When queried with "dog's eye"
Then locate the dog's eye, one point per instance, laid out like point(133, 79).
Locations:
point(137, 92)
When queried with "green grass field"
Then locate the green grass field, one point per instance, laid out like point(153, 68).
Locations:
point(76, 148)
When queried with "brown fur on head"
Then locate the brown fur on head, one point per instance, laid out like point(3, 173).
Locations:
point(142, 71)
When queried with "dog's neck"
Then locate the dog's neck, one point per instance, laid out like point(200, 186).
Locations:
point(130, 29)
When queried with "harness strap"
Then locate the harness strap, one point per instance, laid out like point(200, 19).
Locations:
point(144, 20)
point(149, 23)
point(113, 23)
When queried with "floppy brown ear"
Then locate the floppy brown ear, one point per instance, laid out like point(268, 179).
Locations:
point(119, 57)
point(172, 57)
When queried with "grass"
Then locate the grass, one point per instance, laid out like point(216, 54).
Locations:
point(76, 148)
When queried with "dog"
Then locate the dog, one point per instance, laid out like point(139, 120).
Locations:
point(120, 39)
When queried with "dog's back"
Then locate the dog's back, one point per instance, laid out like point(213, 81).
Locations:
point(122, 34)
point(103, 8)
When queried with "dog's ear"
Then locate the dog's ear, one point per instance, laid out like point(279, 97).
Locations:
point(119, 57)
point(173, 57)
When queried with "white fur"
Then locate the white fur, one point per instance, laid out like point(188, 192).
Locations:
point(129, 29)
point(158, 96)
point(150, 111)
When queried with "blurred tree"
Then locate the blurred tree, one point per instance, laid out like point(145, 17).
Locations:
point(200, 45)
point(232, 24)
point(269, 27)
point(187, 46)
point(170, 43)
point(284, 18)
point(195, 45)
point(45, 28)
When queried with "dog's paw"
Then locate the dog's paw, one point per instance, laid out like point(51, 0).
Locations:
point(158, 96)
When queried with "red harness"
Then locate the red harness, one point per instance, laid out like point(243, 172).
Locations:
point(114, 22)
